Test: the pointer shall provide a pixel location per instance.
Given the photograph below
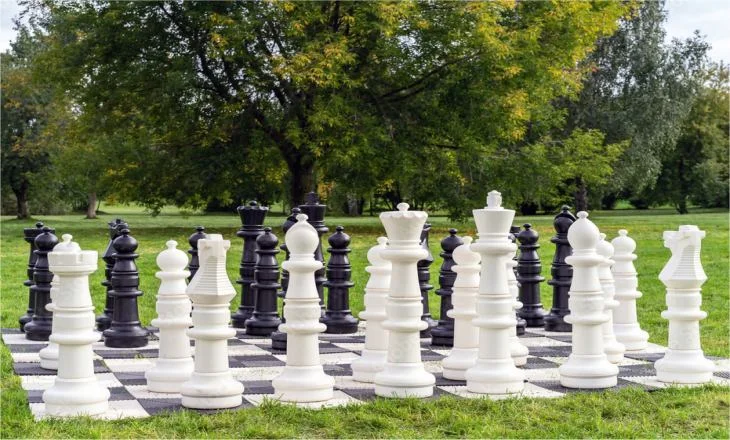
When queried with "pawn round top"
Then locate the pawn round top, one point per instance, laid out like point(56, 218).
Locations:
point(267, 240)
point(302, 238)
point(623, 244)
point(562, 221)
point(528, 236)
point(199, 233)
point(583, 234)
point(604, 248)
point(172, 259)
point(125, 243)
point(39, 225)
point(375, 257)
point(339, 240)
point(46, 241)
point(450, 243)
point(67, 245)
point(463, 255)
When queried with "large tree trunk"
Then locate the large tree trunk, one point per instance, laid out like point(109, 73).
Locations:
point(21, 195)
point(302, 178)
point(581, 196)
point(91, 206)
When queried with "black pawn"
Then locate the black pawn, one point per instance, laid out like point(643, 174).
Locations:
point(315, 213)
point(424, 276)
point(278, 339)
point(443, 334)
point(528, 275)
point(39, 327)
point(521, 323)
point(29, 235)
point(338, 316)
point(265, 319)
point(194, 264)
point(104, 320)
point(562, 273)
point(125, 330)
point(252, 220)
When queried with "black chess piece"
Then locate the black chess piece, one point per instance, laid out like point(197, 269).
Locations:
point(29, 235)
point(125, 330)
point(338, 316)
point(443, 333)
point(424, 276)
point(562, 273)
point(528, 275)
point(104, 320)
point(265, 319)
point(315, 213)
point(194, 264)
point(521, 323)
point(252, 220)
point(278, 339)
point(39, 327)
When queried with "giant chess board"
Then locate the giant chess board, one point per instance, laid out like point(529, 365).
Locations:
point(255, 364)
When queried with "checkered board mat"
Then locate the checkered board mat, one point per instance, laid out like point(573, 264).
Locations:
point(255, 364)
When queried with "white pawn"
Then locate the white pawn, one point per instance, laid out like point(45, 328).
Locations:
point(587, 365)
point(517, 350)
point(76, 390)
point(614, 349)
point(174, 365)
point(404, 374)
point(211, 385)
point(625, 323)
point(466, 335)
point(375, 353)
point(683, 276)
point(495, 371)
point(49, 354)
point(303, 378)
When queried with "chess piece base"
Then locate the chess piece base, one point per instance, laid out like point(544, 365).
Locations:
point(588, 372)
point(168, 375)
point(556, 323)
point(303, 384)
point(631, 335)
point(212, 391)
point(460, 360)
point(518, 351)
point(684, 367)
point(533, 318)
point(431, 324)
point(262, 327)
point(243, 314)
point(76, 397)
point(133, 338)
point(495, 377)
point(340, 325)
point(24, 320)
point(614, 351)
point(49, 356)
point(370, 363)
point(404, 380)
point(443, 335)
point(38, 330)
point(278, 340)
point(103, 322)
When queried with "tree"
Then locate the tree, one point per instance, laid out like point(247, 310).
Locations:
point(224, 95)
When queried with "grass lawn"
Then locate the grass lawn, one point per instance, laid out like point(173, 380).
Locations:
point(699, 412)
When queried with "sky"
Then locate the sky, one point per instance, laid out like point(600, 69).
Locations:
point(710, 17)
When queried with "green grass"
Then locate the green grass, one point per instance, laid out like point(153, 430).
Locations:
point(673, 413)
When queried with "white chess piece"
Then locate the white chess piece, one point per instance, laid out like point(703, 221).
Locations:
point(211, 386)
point(76, 390)
point(464, 297)
point(614, 349)
point(49, 354)
point(517, 350)
point(174, 365)
point(404, 374)
point(625, 324)
point(587, 366)
point(303, 378)
point(495, 371)
point(683, 276)
point(375, 352)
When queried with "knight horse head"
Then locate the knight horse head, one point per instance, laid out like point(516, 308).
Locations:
point(684, 269)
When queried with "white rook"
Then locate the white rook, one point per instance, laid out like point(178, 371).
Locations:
point(76, 391)
point(587, 366)
point(517, 350)
point(303, 378)
point(625, 324)
point(683, 277)
point(614, 349)
point(174, 365)
point(466, 335)
point(495, 371)
point(375, 352)
point(404, 374)
point(211, 386)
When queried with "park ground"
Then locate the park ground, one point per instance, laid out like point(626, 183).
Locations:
point(695, 412)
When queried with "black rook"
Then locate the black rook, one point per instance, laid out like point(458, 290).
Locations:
point(265, 319)
point(194, 264)
point(338, 316)
point(39, 327)
point(528, 275)
point(29, 235)
point(252, 219)
point(562, 273)
point(423, 278)
point(443, 334)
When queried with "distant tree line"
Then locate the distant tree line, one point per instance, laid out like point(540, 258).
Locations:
point(206, 104)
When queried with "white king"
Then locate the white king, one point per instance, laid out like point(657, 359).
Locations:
point(683, 277)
